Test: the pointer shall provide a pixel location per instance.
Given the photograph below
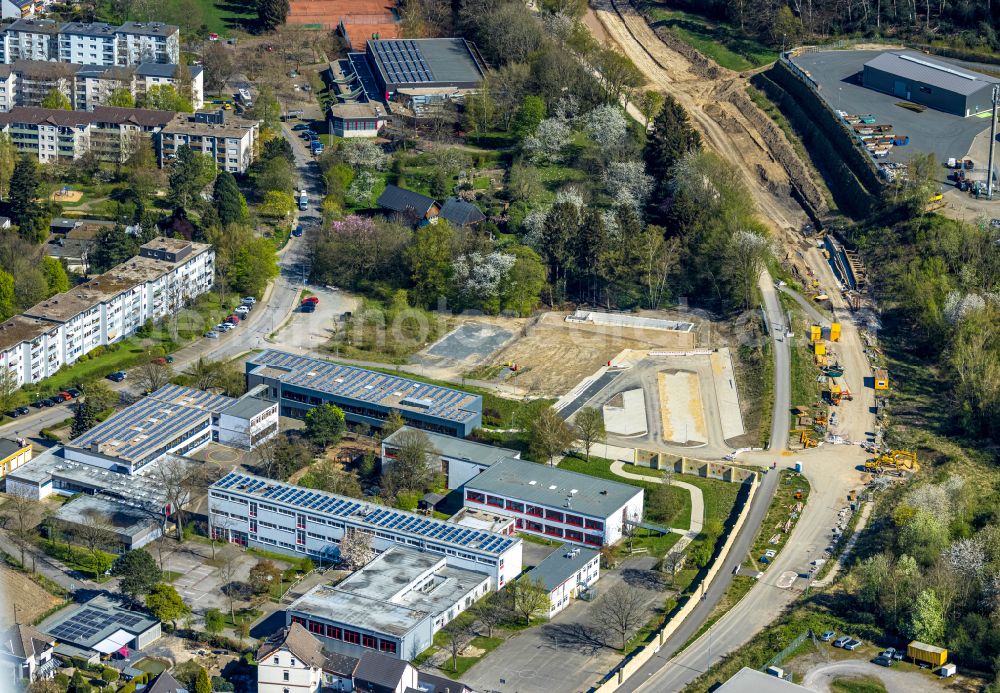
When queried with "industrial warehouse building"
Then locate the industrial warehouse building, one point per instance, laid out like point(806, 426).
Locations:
point(431, 63)
point(934, 83)
point(253, 511)
point(300, 383)
point(555, 503)
point(393, 605)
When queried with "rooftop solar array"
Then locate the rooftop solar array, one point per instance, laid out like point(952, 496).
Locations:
point(375, 516)
point(86, 623)
point(403, 61)
point(147, 426)
point(368, 386)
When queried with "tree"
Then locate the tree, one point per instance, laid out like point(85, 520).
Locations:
point(57, 100)
point(528, 598)
point(22, 513)
point(178, 480)
point(55, 275)
point(528, 116)
point(137, 571)
point(25, 188)
point(325, 425)
point(660, 501)
point(79, 683)
point(121, 98)
point(95, 534)
point(491, 612)
point(152, 375)
point(202, 684)
point(8, 159)
point(410, 470)
point(228, 570)
point(112, 246)
point(189, 173)
point(430, 258)
point(215, 622)
point(356, 549)
point(525, 281)
point(927, 623)
point(459, 634)
point(671, 138)
point(621, 610)
point(100, 396)
point(166, 97)
point(276, 204)
point(164, 602)
point(746, 257)
point(590, 427)
point(272, 13)
point(262, 576)
point(392, 423)
point(219, 63)
point(84, 419)
point(7, 295)
point(10, 395)
point(649, 104)
point(548, 435)
point(254, 266)
point(327, 476)
point(204, 374)
point(229, 201)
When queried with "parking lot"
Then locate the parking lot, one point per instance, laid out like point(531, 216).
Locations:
point(838, 76)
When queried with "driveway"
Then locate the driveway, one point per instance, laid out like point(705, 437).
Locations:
point(568, 653)
point(820, 677)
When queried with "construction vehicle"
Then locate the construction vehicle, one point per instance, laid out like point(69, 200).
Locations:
point(881, 379)
point(836, 394)
point(835, 332)
point(894, 461)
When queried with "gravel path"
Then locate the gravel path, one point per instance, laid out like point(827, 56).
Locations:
point(896, 681)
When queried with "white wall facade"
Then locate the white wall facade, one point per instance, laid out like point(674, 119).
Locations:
point(282, 672)
point(87, 49)
point(559, 598)
point(238, 432)
point(133, 48)
point(29, 45)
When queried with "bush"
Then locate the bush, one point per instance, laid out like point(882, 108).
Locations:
point(220, 684)
point(110, 674)
point(306, 565)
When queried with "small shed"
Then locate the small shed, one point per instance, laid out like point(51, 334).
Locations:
point(430, 501)
point(407, 202)
point(460, 213)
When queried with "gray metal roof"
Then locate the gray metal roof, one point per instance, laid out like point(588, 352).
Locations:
point(562, 564)
point(457, 448)
point(748, 680)
point(460, 213)
point(381, 670)
point(426, 61)
point(399, 199)
point(248, 407)
point(85, 625)
point(156, 69)
point(148, 28)
point(557, 488)
point(123, 520)
point(921, 68)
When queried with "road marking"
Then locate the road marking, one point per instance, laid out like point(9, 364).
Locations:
point(787, 579)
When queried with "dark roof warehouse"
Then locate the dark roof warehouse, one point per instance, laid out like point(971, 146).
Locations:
point(941, 85)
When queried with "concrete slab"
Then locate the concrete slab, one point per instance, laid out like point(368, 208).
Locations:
point(726, 394)
point(625, 413)
point(472, 341)
point(681, 409)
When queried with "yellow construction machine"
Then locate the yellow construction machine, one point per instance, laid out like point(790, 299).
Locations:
point(895, 461)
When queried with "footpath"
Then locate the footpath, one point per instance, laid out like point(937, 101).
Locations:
point(697, 503)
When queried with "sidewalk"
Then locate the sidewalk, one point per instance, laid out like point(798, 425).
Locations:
point(697, 503)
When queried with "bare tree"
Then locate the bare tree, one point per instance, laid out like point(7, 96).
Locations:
point(491, 612)
point(204, 374)
point(460, 634)
point(151, 376)
point(630, 527)
point(411, 468)
point(590, 428)
point(179, 481)
point(549, 435)
point(673, 562)
point(621, 611)
point(94, 533)
point(356, 548)
point(529, 598)
point(22, 512)
point(228, 568)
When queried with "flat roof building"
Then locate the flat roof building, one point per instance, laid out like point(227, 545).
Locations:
point(393, 605)
point(459, 459)
point(101, 626)
point(300, 383)
point(556, 503)
point(748, 680)
point(932, 82)
point(449, 63)
point(13, 454)
point(128, 526)
point(263, 513)
point(228, 139)
point(565, 573)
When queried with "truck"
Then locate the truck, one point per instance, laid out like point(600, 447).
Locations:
point(929, 654)
point(245, 98)
point(303, 200)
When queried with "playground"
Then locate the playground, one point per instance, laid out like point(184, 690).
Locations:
point(65, 195)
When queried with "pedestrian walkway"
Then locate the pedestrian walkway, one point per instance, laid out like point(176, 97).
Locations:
point(697, 503)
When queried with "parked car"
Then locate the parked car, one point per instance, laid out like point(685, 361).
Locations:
point(64, 396)
point(311, 299)
point(241, 310)
point(14, 413)
point(73, 392)
point(54, 400)
point(853, 645)
point(212, 334)
point(884, 661)
point(249, 301)
point(827, 636)
point(308, 307)
point(770, 553)
point(842, 641)
point(297, 231)
point(300, 126)
point(233, 319)
point(118, 376)
point(38, 403)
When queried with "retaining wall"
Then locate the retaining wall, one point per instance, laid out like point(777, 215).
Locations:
point(687, 465)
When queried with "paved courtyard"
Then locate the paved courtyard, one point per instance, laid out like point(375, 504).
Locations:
point(569, 652)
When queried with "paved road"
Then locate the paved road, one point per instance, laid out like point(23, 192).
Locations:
point(820, 677)
point(777, 322)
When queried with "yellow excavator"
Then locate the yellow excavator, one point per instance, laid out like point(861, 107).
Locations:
point(895, 461)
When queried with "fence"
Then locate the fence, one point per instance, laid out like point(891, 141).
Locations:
point(633, 663)
point(794, 645)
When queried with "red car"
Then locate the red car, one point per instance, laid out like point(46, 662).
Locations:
point(234, 319)
point(312, 299)
point(65, 396)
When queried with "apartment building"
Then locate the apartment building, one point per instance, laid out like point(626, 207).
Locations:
point(253, 511)
point(165, 276)
point(556, 503)
point(94, 43)
point(54, 134)
point(229, 140)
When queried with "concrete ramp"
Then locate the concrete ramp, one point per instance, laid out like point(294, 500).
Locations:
point(727, 394)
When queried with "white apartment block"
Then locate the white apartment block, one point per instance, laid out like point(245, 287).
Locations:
point(253, 511)
point(229, 140)
point(165, 276)
point(96, 43)
point(54, 135)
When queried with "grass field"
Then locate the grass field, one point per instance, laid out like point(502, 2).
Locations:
point(857, 685)
point(717, 41)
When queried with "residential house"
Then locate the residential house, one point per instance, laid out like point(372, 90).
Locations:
point(25, 655)
point(94, 43)
point(411, 205)
point(165, 683)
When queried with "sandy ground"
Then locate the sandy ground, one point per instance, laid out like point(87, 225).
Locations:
point(578, 349)
point(681, 408)
point(20, 592)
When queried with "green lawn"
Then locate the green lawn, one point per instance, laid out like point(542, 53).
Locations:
point(778, 512)
point(857, 685)
point(79, 558)
point(150, 666)
point(717, 41)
